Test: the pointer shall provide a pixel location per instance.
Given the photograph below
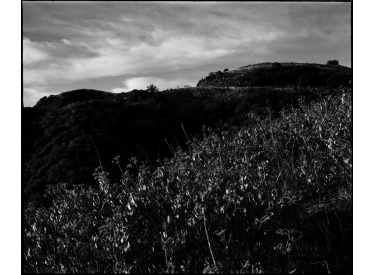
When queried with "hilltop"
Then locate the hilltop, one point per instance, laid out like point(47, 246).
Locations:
point(279, 75)
point(74, 96)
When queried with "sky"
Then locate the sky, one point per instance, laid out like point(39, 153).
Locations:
point(121, 46)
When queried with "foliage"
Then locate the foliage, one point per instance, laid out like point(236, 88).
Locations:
point(333, 62)
point(271, 197)
point(59, 133)
point(152, 88)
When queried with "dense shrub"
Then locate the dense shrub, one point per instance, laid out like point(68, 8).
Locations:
point(152, 88)
point(333, 62)
point(272, 197)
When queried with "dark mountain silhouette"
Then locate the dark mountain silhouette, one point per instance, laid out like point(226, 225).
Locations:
point(60, 133)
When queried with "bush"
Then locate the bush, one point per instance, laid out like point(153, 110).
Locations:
point(152, 88)
point(274, 197)
point(332, 62)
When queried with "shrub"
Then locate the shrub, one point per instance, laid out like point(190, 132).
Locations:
point(274, 197)
point(332, 62)
point(152, 88)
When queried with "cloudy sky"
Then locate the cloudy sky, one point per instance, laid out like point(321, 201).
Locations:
point(118, 47)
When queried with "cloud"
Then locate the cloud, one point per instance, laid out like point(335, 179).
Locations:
point(67, 43)
point(141, 83)
point(57, 51)
point(32, 94)
point(61, 62)
point(126, 19)
point(118, 90)
point(31, 53)
point(98, 43)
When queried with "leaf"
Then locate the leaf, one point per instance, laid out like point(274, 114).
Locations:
point(127, 247)
point(221, 232)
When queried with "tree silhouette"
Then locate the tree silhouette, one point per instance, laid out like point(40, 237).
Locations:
point(332, 62)
point(152, 88)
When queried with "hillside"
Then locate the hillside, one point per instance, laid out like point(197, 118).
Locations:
point(225, 177)
point(273, 195)
point(279, 75)
point(60, 133)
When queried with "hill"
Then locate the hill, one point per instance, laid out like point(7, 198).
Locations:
point(279, 75)
point(66, 98)
point(211, 179)
point(61, 133)
point(274, 196)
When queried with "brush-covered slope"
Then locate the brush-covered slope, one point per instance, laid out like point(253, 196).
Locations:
point(274, 197)
point(60, 133)
point(279, 75)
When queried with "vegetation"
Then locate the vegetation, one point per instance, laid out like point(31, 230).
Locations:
point(61, 132)
point(152, 88)
point(333, 62)
point(270, 195)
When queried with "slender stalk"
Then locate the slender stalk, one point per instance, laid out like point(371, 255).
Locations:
point(147, 156)
point(97, 153)
point(185, 133)
point(208, 240)
point(176, 140)
point(122, 173)
point(170, 147)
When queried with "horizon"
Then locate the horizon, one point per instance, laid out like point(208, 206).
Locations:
point(119, 47)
